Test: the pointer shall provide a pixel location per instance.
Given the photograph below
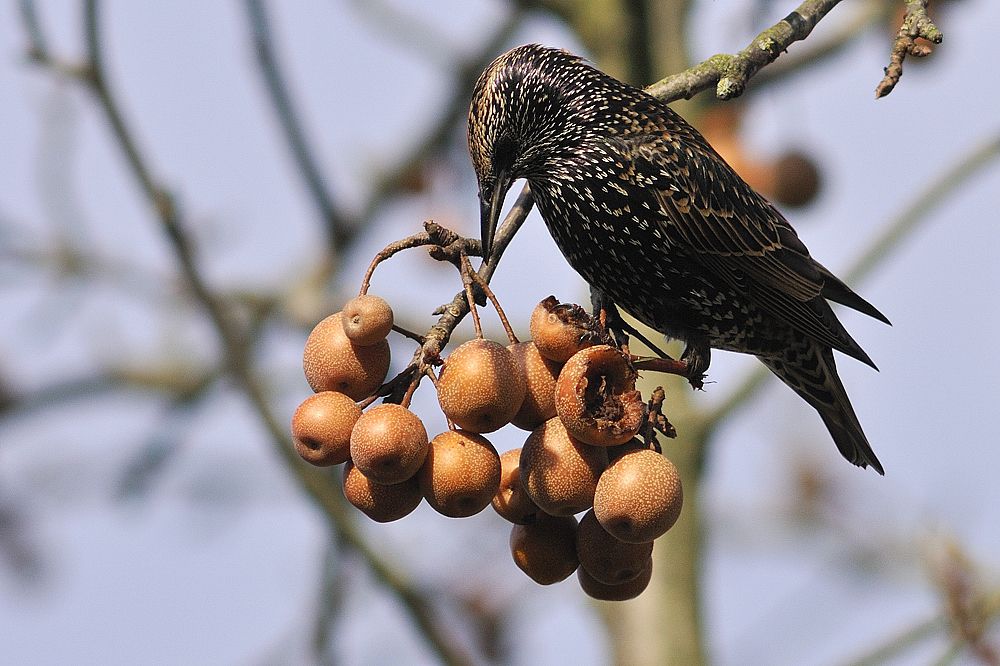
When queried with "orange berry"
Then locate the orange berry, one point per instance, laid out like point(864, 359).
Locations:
point(333, 363)
point(389, 443)
point(321, 427)
point(596, 397)
point(512, 501)
point(381, 503)
point(540, 375)
point(461, 473)
point(638, 497)
point(607, 559)
point(619, 592)
point(367, 320)
point(560, 330)
point(546, 549)
point(480, 388)
point(560, 473)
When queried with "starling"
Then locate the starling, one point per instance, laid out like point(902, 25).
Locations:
point(655, 220)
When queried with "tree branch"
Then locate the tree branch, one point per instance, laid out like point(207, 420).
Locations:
point(822, 47)
point(729, 73)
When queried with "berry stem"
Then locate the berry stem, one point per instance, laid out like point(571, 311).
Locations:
point(364, 404)
point(416, 240)
point(429, 371)
point(416, 337)
point(493, 299)
point(411, 389)
point(465, 269)
point(433, 234)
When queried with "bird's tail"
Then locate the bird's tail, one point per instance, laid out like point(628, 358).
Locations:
point(809, 369)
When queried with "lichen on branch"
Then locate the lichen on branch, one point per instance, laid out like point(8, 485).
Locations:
point(729, 73)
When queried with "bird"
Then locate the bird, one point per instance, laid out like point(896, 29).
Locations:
point(656, 221)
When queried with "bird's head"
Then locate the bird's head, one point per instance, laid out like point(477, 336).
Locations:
point(518, 119)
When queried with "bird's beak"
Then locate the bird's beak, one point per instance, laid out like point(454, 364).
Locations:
point(490, 204)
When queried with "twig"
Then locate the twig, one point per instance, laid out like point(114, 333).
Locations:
point(416, 240)
point(896, 645)
point(416, 337)
point(330, 601)
point(729, 73)
point(414, 383)
point(916, 24)
point(485, 286)
point(453, 312)
point(821, 47)
point(429, 371)
point(465, 269)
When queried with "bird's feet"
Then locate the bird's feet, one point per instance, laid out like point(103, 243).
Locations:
point(697, 357)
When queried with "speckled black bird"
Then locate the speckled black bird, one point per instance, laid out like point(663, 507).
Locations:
point(652, 217)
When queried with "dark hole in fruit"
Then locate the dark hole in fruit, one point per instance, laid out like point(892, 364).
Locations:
point(311, 443)
point(602, 401)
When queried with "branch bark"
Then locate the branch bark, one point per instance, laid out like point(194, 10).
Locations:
point(729, 73)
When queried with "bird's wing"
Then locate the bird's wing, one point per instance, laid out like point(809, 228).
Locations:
point(722, 223)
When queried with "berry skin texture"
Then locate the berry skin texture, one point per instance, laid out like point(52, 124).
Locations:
point(383, 504)
point(321, 427)
point(367, 320)
point(389, 444)
point(332, 363)
point(596, 397)
point(512, 501)
point(559, 472)
point(606, 559)
point(639, 497)
point(545, 550)
point(540, 376)
point(620, 592)
point(480, 388)
point(461, 474)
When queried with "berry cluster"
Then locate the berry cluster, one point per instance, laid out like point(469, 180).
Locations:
point(591, 446)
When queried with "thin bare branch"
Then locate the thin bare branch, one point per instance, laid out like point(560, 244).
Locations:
point(822, 47)
point(729, 73)
point(340, 230)
point(452, 115)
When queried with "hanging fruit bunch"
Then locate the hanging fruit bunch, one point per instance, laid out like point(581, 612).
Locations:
point(592, 448)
